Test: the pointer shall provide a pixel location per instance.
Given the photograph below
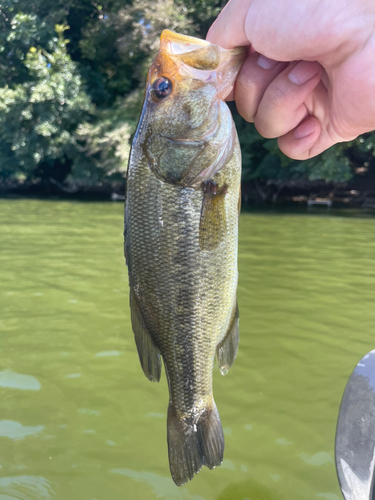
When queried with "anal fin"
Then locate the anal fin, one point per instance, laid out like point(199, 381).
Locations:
point(226, 350)
point(149, 354)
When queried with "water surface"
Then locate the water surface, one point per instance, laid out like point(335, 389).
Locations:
point(78, 419)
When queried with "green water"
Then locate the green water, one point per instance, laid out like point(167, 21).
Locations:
point(78, 419)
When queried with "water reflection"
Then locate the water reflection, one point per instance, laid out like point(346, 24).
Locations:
point(88, 411)
point(328, 496)
point(247, 490)
point(307, 316)
point(107, 354)
point(228, 464)
point(14, 380)
point(154, 414)
point(25, 488)
point(15, 430)
point(162, 486)
point(318, 459)
point(283, 442)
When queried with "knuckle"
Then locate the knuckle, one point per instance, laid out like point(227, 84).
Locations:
point(277, 97)
point(247, 114)
point(263, 127)
point(289, 149)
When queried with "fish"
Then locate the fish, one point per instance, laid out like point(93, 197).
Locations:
point(181, 236)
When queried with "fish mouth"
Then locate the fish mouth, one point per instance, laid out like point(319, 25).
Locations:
point(187, 57)
point(181, 44)
point(171, 36)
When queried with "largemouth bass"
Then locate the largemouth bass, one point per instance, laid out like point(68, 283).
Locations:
point(181, 220)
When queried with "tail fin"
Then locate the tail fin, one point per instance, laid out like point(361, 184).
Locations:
point(194, 442)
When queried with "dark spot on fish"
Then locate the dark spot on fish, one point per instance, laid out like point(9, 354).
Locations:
point(210, 187)
point(187, 110)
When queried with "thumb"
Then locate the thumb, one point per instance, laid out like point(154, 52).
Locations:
point(228, 30)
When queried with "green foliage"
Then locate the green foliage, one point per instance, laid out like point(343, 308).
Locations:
point(332, 165)
point(38, 116)
point(103, 146)
point(72, 76)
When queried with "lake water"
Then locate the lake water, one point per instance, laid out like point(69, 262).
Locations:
point(78, 419)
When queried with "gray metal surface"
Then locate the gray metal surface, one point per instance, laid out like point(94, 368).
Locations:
point(355, 435)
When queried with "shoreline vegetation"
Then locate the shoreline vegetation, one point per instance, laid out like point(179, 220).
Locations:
point(359, 192)
point(71, 88)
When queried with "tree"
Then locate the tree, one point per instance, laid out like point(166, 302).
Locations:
point(41, 100)
point(72, 77)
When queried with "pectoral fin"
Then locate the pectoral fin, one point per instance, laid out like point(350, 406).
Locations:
point(149, 354)
point(226, 350)
point(213, 222)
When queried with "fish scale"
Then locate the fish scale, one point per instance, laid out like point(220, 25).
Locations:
point(173, 274)
point(181, 248)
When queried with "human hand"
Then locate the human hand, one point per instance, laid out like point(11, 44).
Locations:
point(309, 78)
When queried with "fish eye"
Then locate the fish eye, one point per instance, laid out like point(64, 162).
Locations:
point(162, 87)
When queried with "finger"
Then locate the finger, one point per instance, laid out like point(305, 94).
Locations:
point(230, 96)
point(256, 74)
point(299, 144)
point(309, 139)
point(316, 133)
point(228, 30)
point(283, 105)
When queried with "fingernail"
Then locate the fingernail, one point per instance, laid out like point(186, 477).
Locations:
point(266, 63)
point(303, 72)
point(304, 129)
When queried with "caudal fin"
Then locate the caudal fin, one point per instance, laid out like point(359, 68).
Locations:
point(194, 442)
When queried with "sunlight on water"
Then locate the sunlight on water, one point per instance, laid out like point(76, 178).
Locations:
point(78, 419)
point(18, 381)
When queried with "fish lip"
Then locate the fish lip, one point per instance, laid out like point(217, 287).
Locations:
point(172, 36)
point(175, 47)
